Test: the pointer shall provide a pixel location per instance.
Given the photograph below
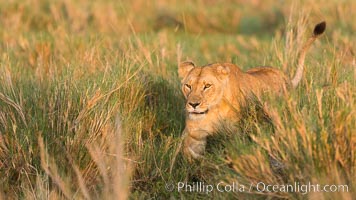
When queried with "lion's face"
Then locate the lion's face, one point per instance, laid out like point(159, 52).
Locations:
point(203, 88)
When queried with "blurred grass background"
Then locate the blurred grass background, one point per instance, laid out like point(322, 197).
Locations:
point(91, 108)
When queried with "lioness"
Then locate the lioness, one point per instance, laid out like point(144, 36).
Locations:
point(215, 92)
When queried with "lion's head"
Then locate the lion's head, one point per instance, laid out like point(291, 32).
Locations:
point(203, 87)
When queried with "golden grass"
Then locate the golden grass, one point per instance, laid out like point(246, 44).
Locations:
point(90, 106)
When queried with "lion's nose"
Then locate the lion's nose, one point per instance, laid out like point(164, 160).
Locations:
point(194, 104)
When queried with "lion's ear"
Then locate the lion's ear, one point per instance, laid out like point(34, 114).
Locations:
point(223, 71)
point(184, 68)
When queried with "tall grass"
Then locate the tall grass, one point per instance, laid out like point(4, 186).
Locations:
point(90, 106)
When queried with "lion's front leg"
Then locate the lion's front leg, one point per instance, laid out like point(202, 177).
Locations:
point(193, 147)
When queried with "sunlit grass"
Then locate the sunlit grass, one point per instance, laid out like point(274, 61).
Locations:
point(91, 108)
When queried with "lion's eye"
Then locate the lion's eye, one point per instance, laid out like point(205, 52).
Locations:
point(188, 86)
point(206, 86)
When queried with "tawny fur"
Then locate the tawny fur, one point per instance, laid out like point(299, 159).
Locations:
point(216, 92)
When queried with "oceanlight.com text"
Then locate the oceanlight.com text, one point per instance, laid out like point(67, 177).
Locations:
point(296, 187)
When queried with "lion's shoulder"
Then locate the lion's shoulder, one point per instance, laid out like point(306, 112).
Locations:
point(263, 70)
